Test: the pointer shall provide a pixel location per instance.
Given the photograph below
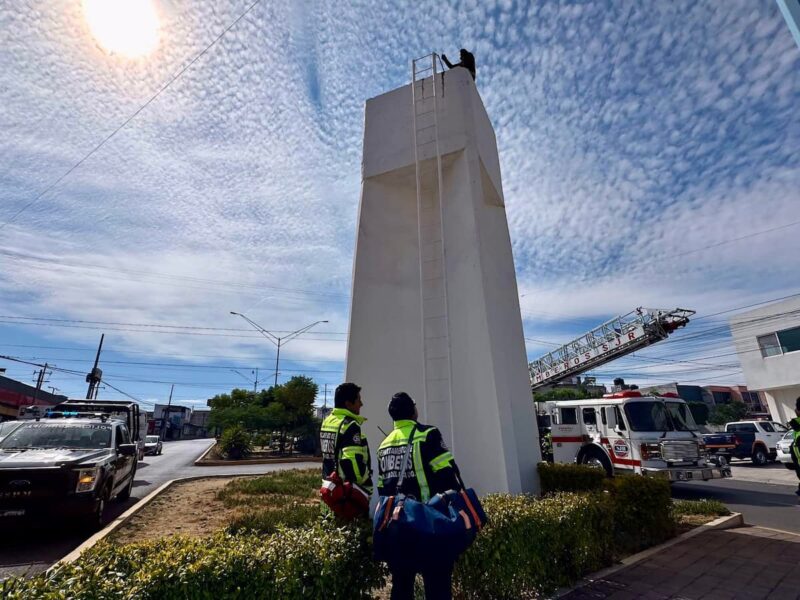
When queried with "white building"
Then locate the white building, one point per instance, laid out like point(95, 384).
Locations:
point(767, 341)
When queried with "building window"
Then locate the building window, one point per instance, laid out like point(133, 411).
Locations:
point(789, 339)
point(769, 345)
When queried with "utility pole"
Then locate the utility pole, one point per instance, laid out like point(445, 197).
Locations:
point(165, 413)
point(325, 393)
point(39, 382)
point(255, 383)
point(96, 374)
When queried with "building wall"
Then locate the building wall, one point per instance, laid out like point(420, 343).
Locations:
point(777, 376)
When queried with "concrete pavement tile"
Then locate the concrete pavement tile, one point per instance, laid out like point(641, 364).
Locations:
point(623, 595)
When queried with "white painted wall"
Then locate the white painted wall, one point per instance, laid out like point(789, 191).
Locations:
point(493, 428)
point(778, 376)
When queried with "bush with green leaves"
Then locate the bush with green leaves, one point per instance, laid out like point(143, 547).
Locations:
point(641, 511)
point(704, 506)
point(235, 443)
point(321, 560)
point(532, 546)
point(570, 478)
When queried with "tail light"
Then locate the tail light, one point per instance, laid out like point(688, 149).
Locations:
point(736, 440)
point(650, 451)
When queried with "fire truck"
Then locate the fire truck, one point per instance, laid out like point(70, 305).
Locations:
point(626, 432)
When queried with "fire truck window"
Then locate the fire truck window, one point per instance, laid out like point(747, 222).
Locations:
point(620, 421)
point(603, 416)
point(569, 416)
point(589, 416)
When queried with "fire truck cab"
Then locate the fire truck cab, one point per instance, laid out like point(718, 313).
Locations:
point(626, 432)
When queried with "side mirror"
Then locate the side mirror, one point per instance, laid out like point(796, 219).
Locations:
point(127, 449)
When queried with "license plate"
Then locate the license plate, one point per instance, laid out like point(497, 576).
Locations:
point(12, 513)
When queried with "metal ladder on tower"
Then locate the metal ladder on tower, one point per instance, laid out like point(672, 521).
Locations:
point(427, 94)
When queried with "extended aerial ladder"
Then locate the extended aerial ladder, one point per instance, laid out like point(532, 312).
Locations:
point(611, 340)
point(427, 92)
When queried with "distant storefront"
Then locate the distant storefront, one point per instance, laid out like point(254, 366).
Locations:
point(15, 395)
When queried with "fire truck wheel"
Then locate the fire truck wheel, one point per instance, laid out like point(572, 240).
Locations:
point(595, 458)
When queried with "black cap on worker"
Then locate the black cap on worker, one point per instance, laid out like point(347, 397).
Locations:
point(401, 406)
point(797, 403)
point(346, 392)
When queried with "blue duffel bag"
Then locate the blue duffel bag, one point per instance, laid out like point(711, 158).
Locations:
point(415, 534)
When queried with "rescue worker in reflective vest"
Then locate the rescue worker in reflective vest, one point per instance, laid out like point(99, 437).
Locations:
point(430, 471)
point(344, 445)
point(794, 449)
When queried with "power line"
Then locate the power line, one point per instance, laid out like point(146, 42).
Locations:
point(130, 118)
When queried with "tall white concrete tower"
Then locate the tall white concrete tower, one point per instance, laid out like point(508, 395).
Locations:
point(435, 308)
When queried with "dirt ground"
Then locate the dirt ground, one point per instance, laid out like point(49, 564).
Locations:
point(187, 508)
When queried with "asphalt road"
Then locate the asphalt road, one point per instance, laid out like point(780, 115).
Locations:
point(753, 492)
point(35, 549)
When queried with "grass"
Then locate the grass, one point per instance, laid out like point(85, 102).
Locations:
point(273, 489)
point(289, 498)
point(703, 507)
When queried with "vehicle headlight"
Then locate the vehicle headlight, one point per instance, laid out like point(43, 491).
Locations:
point(87, 479)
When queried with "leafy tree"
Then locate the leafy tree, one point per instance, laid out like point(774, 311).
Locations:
point(235, 443)
point(725, 413)
point(566, 394)
point(286, 410)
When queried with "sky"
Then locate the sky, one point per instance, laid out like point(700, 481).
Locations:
point(648, 153)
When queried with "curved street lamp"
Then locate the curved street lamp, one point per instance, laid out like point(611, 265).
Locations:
point(278, 341)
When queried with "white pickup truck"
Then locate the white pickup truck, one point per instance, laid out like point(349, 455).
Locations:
point(756, 440)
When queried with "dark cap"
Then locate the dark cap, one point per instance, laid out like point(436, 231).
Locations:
point(346, 392)
point(797, 403)
point(401, 406)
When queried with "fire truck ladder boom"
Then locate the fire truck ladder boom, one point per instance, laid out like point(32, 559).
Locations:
point(611, 340)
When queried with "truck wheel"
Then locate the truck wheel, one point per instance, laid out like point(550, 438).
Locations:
point(97, 519)
point(595, 458)
point(759, 457)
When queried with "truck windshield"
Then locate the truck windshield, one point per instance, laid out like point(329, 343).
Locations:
point(682, 419)
point(647, 416)
point(54, 435)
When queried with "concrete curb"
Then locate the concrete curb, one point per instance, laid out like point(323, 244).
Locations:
point(124, 517)
point(730, 522)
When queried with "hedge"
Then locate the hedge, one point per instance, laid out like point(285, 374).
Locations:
point(530, 547)
point(320, 560)
point(570, 478)
point(641, 507)
point(533, 546)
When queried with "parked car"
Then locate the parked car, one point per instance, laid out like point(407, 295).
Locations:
point(152, 444)
point(72, 466)
point(756, 440)
point(783, 450)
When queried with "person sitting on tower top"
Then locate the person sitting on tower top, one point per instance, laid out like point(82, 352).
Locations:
point(467, 61)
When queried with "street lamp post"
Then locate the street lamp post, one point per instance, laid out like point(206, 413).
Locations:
point(278, 341)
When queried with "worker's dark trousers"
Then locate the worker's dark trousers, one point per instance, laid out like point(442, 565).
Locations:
point(438, 580)
point(793, 452)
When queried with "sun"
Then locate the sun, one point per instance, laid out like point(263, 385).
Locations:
point(126, 27)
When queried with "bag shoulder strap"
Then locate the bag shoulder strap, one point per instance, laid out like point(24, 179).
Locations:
point(337, 445)
point(405, 459)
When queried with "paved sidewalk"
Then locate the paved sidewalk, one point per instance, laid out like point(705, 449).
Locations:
point(749, 563)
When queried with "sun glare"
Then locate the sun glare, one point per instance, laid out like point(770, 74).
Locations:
point(126, 27)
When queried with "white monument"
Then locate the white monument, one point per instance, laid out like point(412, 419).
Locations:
point(435, 309)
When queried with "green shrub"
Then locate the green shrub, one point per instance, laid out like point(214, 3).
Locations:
point(235, 443)
point(700, 507)
point(532, 546)
point(267, 521)
point(570, 478)
point(318, 561)
point(641, 511)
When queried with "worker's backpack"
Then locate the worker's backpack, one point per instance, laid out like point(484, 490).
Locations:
point(346, 500)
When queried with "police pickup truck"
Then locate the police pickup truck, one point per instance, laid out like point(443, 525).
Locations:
point(69, 463)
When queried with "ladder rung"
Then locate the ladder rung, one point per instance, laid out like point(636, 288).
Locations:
point(421, 129)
